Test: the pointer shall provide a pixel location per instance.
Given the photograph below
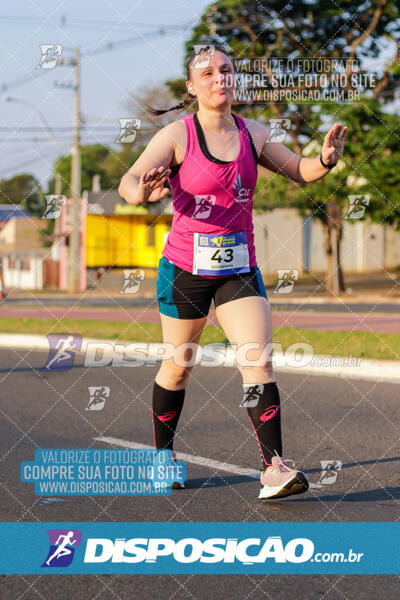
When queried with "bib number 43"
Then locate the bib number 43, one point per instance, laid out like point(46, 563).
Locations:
point(227, 255)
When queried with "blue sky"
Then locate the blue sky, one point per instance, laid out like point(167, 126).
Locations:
point(107, 78)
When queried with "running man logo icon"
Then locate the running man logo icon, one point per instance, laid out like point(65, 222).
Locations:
point(63, 543)
point(98, 397)
point(50, 55)
point(278, 129)
point(204, 204)
point(252, 395)
point(203, 56)
point(133, 279)
point(329, 473)
point(63, 347)
point(54, 206)
point(128, 130)
point(286, 279)
point(357, 207)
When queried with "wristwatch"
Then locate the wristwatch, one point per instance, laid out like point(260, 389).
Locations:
point(324, 165)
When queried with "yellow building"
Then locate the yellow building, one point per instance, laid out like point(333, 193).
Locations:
point(124, 235)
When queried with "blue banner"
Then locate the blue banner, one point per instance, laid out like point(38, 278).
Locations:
point(200, 548)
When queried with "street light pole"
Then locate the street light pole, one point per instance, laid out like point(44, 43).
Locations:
point(46, 126)
point(75, 225)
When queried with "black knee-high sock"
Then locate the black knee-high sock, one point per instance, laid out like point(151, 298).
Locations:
point(263, 407)
point(167, 407)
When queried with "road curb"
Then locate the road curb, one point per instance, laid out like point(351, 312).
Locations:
point(284, 362)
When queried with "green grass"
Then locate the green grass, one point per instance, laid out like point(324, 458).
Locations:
point(361, 344)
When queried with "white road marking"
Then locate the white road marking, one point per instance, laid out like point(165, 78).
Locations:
point(190, 458)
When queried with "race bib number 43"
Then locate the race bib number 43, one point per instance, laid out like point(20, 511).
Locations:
point(220, 254)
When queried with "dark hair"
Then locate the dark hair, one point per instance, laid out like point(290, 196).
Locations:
point(188, 98)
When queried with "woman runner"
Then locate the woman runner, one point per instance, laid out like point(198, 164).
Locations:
point(210, 159)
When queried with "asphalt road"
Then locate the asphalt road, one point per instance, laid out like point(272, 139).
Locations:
point(355, 422)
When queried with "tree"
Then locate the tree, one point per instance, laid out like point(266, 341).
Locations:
point(21, 189)
point(92, 157)
point(159, 97)
point(116, 164)
point(312, 28)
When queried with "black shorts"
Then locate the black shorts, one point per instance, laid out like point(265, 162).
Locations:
point(182, 295)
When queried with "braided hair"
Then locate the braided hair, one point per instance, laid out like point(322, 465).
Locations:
point(188, 97)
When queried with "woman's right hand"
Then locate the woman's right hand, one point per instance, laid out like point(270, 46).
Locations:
point(151, 185)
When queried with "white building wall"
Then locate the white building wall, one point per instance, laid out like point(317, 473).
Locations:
point(374, 247)
point(31, 279)
point(352, 246)
point(279, 244)
point(278, 240)
point(392, 247)
point(318, 256)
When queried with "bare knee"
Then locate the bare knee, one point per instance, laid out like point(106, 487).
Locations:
point(263, 374)
point(254, 362)
point(172, 376)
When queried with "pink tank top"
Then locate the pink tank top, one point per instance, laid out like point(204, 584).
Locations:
point(226, 196)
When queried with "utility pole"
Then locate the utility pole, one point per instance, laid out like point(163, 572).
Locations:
point(57, 224)
point(75, 224)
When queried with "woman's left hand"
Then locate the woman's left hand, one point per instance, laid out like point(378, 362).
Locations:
point(332, 148)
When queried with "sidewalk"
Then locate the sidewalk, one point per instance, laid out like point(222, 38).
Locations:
point(375, 288)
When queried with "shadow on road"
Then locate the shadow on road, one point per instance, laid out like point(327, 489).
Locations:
point(377, 495)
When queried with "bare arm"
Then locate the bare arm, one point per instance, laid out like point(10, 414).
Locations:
point(144, 182)
point(278, 158)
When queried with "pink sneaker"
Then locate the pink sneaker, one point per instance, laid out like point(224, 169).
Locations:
point(281, 480)
point(177, 485)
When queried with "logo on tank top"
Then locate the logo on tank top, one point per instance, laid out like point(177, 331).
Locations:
point(242, 193)
point(204, 204)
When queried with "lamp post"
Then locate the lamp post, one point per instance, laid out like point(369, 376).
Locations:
point(46, 126)
point(75, 225)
